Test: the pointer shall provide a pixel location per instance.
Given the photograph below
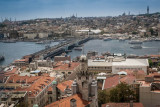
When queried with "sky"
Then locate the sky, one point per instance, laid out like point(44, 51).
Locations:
point(32, 9)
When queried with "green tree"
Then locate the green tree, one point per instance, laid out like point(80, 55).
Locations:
point(121, 93)
point(150, 62)
point(103, 97)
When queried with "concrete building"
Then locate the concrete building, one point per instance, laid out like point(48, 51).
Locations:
point(35, 86)
point(66, 67)
point(62, 58)
point(41, 63)
point(114, 64)
point(30, 35)
point(43, 35)
point(12, 98)
point(130, 64)
point(99, 66)
point(150, 91)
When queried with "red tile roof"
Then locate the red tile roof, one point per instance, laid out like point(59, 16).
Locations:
point(66, 102)
point(9, 72)
point(35, 83)
point(122, 105)
point(62, 86)
point(113, 81)
point(65, 66)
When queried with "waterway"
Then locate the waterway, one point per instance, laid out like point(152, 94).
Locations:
point(116, 46)
point(13, 51)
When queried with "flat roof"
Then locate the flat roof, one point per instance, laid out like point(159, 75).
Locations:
point(98, 63)
point(132, 62)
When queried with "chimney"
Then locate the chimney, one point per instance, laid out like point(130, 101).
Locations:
point(131, 103)
point(73, 103)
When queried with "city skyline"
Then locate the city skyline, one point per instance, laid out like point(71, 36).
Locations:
point(32, 9)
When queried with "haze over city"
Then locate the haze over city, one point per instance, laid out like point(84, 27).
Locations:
point(31, 9)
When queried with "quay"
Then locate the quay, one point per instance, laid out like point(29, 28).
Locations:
point(59, 49)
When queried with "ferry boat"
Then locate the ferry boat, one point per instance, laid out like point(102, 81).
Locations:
point(121, 39)
point(135, 42)
point(136, 47)
point(43, 42)
point(78, 48)
point(107, 39)
point(40, 42)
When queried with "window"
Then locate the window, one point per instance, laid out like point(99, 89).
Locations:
point(31, 101)
point(69, 72)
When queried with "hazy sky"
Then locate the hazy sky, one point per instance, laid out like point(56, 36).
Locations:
point(31, 9)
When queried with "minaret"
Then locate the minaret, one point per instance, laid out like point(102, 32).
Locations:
point(147, 9)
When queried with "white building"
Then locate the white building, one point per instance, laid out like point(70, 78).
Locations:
point(118, 63)
point(131, 64)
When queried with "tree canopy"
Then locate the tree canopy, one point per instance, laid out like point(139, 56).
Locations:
point(121, 93)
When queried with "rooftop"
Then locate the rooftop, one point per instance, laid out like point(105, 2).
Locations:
point(132, 62)
point(66, 102)
point(114, 80)
point(66, 66)
point(62, 86)
point(122, 105)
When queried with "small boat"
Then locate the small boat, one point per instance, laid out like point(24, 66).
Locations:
point(43, 42)
point(40, 42)
point(135, 42)
point(9, 41)
point(107, 39)
point(78, 48)
point(68, 51)
point(121, 39)
point(47, 46)
point(2, 58)
point(157, 39)
point(136, 47)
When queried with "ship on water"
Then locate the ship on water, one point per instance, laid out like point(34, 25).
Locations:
point(107, 39)
point(135, 42)
point(136, 47)
point(9, 41)
point(2, 58)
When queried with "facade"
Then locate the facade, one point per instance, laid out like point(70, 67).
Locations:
point(150, 91)
point(11, 99)
point(66, 68)
point(21, 62)
point(123, 105)
point(114, 64)
point(62, 58)
point(30, 35)
point(41, 63)
point(99, 66)
point(130, 64)
point(35, 86)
